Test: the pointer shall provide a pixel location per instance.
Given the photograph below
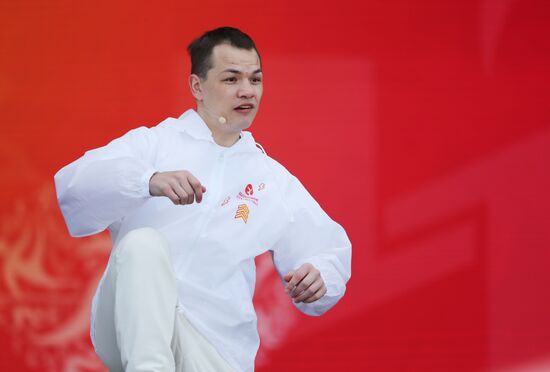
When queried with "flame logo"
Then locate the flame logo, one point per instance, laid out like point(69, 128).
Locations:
point(249, 190)
point(47, 280)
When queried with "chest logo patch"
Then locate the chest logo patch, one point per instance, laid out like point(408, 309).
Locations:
point(242, 212)
point(247, 194)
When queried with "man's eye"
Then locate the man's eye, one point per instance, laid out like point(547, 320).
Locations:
point(230, 79)
point(256, 80)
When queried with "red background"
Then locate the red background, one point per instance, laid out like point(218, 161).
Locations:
point(423, 127)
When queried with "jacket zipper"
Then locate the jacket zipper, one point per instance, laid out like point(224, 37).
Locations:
point(216, 182)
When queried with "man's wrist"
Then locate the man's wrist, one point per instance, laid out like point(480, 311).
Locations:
point(146, 181)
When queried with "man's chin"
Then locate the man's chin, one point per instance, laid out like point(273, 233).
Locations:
point(242, 123)
point(246, 125)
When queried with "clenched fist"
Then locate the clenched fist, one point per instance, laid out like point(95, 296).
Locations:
point(179, 186)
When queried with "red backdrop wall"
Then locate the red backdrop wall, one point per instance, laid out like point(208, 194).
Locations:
point(423, 127)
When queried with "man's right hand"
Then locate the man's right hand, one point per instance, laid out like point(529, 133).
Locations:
point(179, 186)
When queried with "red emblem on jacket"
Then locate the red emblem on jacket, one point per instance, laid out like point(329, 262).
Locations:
point(249, 190)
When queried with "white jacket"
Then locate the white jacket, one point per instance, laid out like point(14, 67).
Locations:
point(252, 204)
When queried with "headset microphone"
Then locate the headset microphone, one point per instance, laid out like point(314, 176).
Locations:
point(221, 119)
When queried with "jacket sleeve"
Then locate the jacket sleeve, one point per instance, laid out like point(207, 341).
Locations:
point(313, 237)
point(106, 183)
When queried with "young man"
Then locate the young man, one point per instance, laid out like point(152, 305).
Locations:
point(189, 203)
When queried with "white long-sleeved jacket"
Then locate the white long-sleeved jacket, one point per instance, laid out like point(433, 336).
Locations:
point(252, 204)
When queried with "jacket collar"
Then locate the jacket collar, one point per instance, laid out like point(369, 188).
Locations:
point(191, 123)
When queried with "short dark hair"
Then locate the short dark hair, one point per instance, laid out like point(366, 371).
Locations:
point(201, 48)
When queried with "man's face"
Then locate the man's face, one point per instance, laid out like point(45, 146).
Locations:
point(233, 86)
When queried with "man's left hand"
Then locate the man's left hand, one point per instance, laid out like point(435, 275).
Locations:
point(305, 284)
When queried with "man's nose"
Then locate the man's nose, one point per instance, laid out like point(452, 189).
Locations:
point(246, 90)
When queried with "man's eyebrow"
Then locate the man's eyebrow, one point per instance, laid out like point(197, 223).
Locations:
point(232, 70)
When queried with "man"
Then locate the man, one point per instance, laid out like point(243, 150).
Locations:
point(189, 203)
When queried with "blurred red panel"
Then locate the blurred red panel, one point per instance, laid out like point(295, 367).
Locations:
point(421, 126)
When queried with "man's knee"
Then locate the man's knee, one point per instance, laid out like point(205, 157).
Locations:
point(143, 244)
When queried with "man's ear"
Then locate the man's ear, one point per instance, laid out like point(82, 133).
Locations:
point(195, 86)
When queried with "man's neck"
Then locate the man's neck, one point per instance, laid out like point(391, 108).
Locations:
point(222, 137)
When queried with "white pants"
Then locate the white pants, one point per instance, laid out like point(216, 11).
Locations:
point(137, 326)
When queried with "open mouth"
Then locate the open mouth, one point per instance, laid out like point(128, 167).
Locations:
point(244, 108)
